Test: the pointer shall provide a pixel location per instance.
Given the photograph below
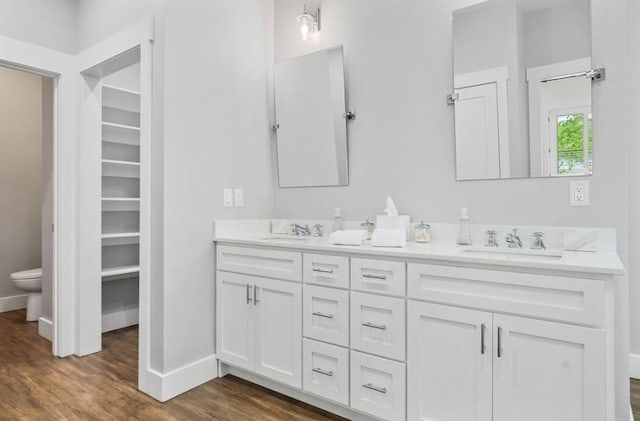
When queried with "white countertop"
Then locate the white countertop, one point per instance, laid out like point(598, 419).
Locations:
point(600, 262)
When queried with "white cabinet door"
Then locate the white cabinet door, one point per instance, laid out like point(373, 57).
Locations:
point(477, 133)
point(235, 324)
point(548, 371)
point(450, 371)
point(279, 331)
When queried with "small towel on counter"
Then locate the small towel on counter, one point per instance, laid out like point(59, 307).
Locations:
point(348, 237)
point(389, 238)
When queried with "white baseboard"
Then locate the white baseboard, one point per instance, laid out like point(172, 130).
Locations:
point(337, 409)
point(165, 386)
point(16, 302)
point(45, 328)
point(119, 319)
point(634, 366)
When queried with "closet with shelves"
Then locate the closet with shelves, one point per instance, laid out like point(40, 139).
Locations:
point(120, 197)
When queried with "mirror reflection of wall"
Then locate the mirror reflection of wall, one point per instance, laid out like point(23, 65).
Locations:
point(511, 121)
point(310, 113)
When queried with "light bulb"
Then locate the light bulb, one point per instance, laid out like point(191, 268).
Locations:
point(305, 29)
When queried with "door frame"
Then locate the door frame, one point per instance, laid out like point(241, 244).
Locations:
point(60, 67)
point(138, 36)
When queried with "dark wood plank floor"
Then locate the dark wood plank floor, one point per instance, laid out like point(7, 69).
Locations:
point(36, 386)
point(635, 398)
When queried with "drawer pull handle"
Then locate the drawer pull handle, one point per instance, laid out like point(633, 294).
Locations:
point(325, 315)
point(499, 342)
point(375, 388)
point(483, 329)
point(323, 372)
point(372, 276)
point(374, 325)
point(319, 270)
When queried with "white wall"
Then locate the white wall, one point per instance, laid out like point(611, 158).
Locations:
point(20, 175)
point(216, 136)
point(49, 23)
point(99, 19)
point(398, 62)
point(633, 111)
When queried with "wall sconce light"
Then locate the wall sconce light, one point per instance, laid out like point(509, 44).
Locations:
point(309, 23)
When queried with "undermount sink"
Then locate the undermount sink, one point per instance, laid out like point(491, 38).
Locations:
point(284, 237)
point(513, 254)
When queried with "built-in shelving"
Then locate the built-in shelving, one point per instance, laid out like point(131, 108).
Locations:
point(120, 200)
point(120, 270)
point(116, 168)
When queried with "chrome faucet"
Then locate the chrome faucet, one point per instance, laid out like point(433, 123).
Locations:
point(491, 239)
point(318, 230)
point(538, 243)
point(301, 230)
point(513, 240)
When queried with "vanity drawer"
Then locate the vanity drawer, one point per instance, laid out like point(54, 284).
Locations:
point(378, 325)
point(326, 314)
point(565, 299)
point(379, 276)
point(284, 265)
point(325, 371)
point(378, 386)
point(326, 270)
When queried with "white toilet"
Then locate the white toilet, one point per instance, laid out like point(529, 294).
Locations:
point(31, 282)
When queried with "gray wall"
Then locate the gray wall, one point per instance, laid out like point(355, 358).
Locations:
point(398, 65)
point(49, 23)
point(20, 175)
point(216, 136)
point(633, 111)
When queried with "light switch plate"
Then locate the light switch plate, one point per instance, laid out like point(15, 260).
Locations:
point(228, 198)
point(239, 197)
point(579, 193)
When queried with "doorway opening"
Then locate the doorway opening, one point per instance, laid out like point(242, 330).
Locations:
point(27, 247)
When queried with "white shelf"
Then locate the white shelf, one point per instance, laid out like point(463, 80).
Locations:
point(120, 235)
point(120, 133)
point(127, 169)
point(120, 204)
point(120, 98)
point(121, 270)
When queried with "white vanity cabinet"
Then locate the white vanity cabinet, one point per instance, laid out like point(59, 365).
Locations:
point(418, 339)
point(484, 365)
point(259, 323)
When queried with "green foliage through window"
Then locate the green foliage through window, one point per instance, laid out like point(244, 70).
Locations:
point(571, 151)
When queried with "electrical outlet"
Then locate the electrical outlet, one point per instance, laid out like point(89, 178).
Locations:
point(579, 193)
point(228, 198)
point(239, 197)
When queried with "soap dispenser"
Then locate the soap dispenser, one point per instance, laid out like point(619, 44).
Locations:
point(464, 229)
point(338, 222)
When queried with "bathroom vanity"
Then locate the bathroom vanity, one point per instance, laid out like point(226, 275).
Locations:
point(428, 331)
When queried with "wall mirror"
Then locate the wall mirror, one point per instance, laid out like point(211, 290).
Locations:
point(522, 89)
point(311, 124)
